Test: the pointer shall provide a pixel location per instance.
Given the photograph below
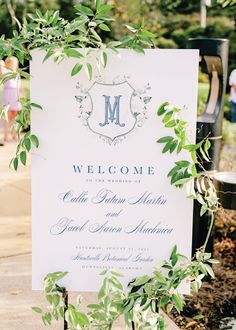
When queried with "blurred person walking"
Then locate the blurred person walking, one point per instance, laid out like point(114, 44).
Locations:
point(232, 83)
point(11, 96)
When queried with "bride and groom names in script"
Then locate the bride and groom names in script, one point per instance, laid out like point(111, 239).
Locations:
point(107, 197)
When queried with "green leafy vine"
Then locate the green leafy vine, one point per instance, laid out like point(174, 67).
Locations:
point(142, 306)
point(147, 295)
point(199, 186)
point(62, 39)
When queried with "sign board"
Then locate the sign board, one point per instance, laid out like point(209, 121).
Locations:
point(101, 196)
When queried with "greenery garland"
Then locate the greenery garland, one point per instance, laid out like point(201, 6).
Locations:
point(61, 40)
point(147, 294)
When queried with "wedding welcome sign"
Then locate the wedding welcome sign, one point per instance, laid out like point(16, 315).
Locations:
point(101, 196)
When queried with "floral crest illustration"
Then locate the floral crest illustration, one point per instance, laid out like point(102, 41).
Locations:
point(113, 109)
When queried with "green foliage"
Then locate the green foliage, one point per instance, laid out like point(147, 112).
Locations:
point(184, 173)
point(11, 9)
point(226, 3)
point(61, 39)
point(140, 305)
point(174, 22)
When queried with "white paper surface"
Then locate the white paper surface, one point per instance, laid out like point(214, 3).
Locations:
point(101, 196)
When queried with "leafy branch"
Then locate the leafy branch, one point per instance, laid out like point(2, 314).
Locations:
point(142, 306)
point(62, 39)
point(199, 186)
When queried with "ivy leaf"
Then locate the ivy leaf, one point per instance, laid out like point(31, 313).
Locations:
point(200, 199)
point(209, 270)
point(178, 302)
point(83, 319)
point(207, 146)
point(49, 298)
point(27, 144)
point(183, 163)
point(116, 283)
point(163, 301)
point(56, 276)
point(137, 48)
point(35, 105)
point(104, 27)
point(55, 300)
point(173, 252)
point(141, 280)
point(103, 272)
point(173, 171)
point(15, 163)
point(167, 117)
point(94, 306)
point(104, 59)
point(89, 70)
point(132, 27)
point(165, 139)
point(48, 54)
point(179, 148)
point(37, 310)
point(167, 147)
point(160, 277)
point(204, 155)
point(84, 10)
point(129, 306)
point(102, 291)
point(70, 52)
point(74, 317)
point(95, 35)
point(104, 17)
point(173, 146)
point(23, 157)
point(203, 209)
point(161, 110)
point(104, 8)
point(169, 308)
point(147, 34)
point(170, 124)
point(116, 273)
point(34, 140)
point(76, 69)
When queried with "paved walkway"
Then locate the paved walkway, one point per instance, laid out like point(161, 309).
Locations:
point(16, 296)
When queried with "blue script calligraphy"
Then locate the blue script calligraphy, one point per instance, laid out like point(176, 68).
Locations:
point(65, 225)
point(147, 198)
point(70, 197)
point(104, 228)
point(108, 197)
point(144, 227)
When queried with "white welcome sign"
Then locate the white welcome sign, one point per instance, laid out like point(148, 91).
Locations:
point(101, 196)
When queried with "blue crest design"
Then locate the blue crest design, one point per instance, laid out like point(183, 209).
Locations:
point(112, 110)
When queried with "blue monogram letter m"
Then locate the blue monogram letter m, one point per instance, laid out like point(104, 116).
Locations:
point(112, 114)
